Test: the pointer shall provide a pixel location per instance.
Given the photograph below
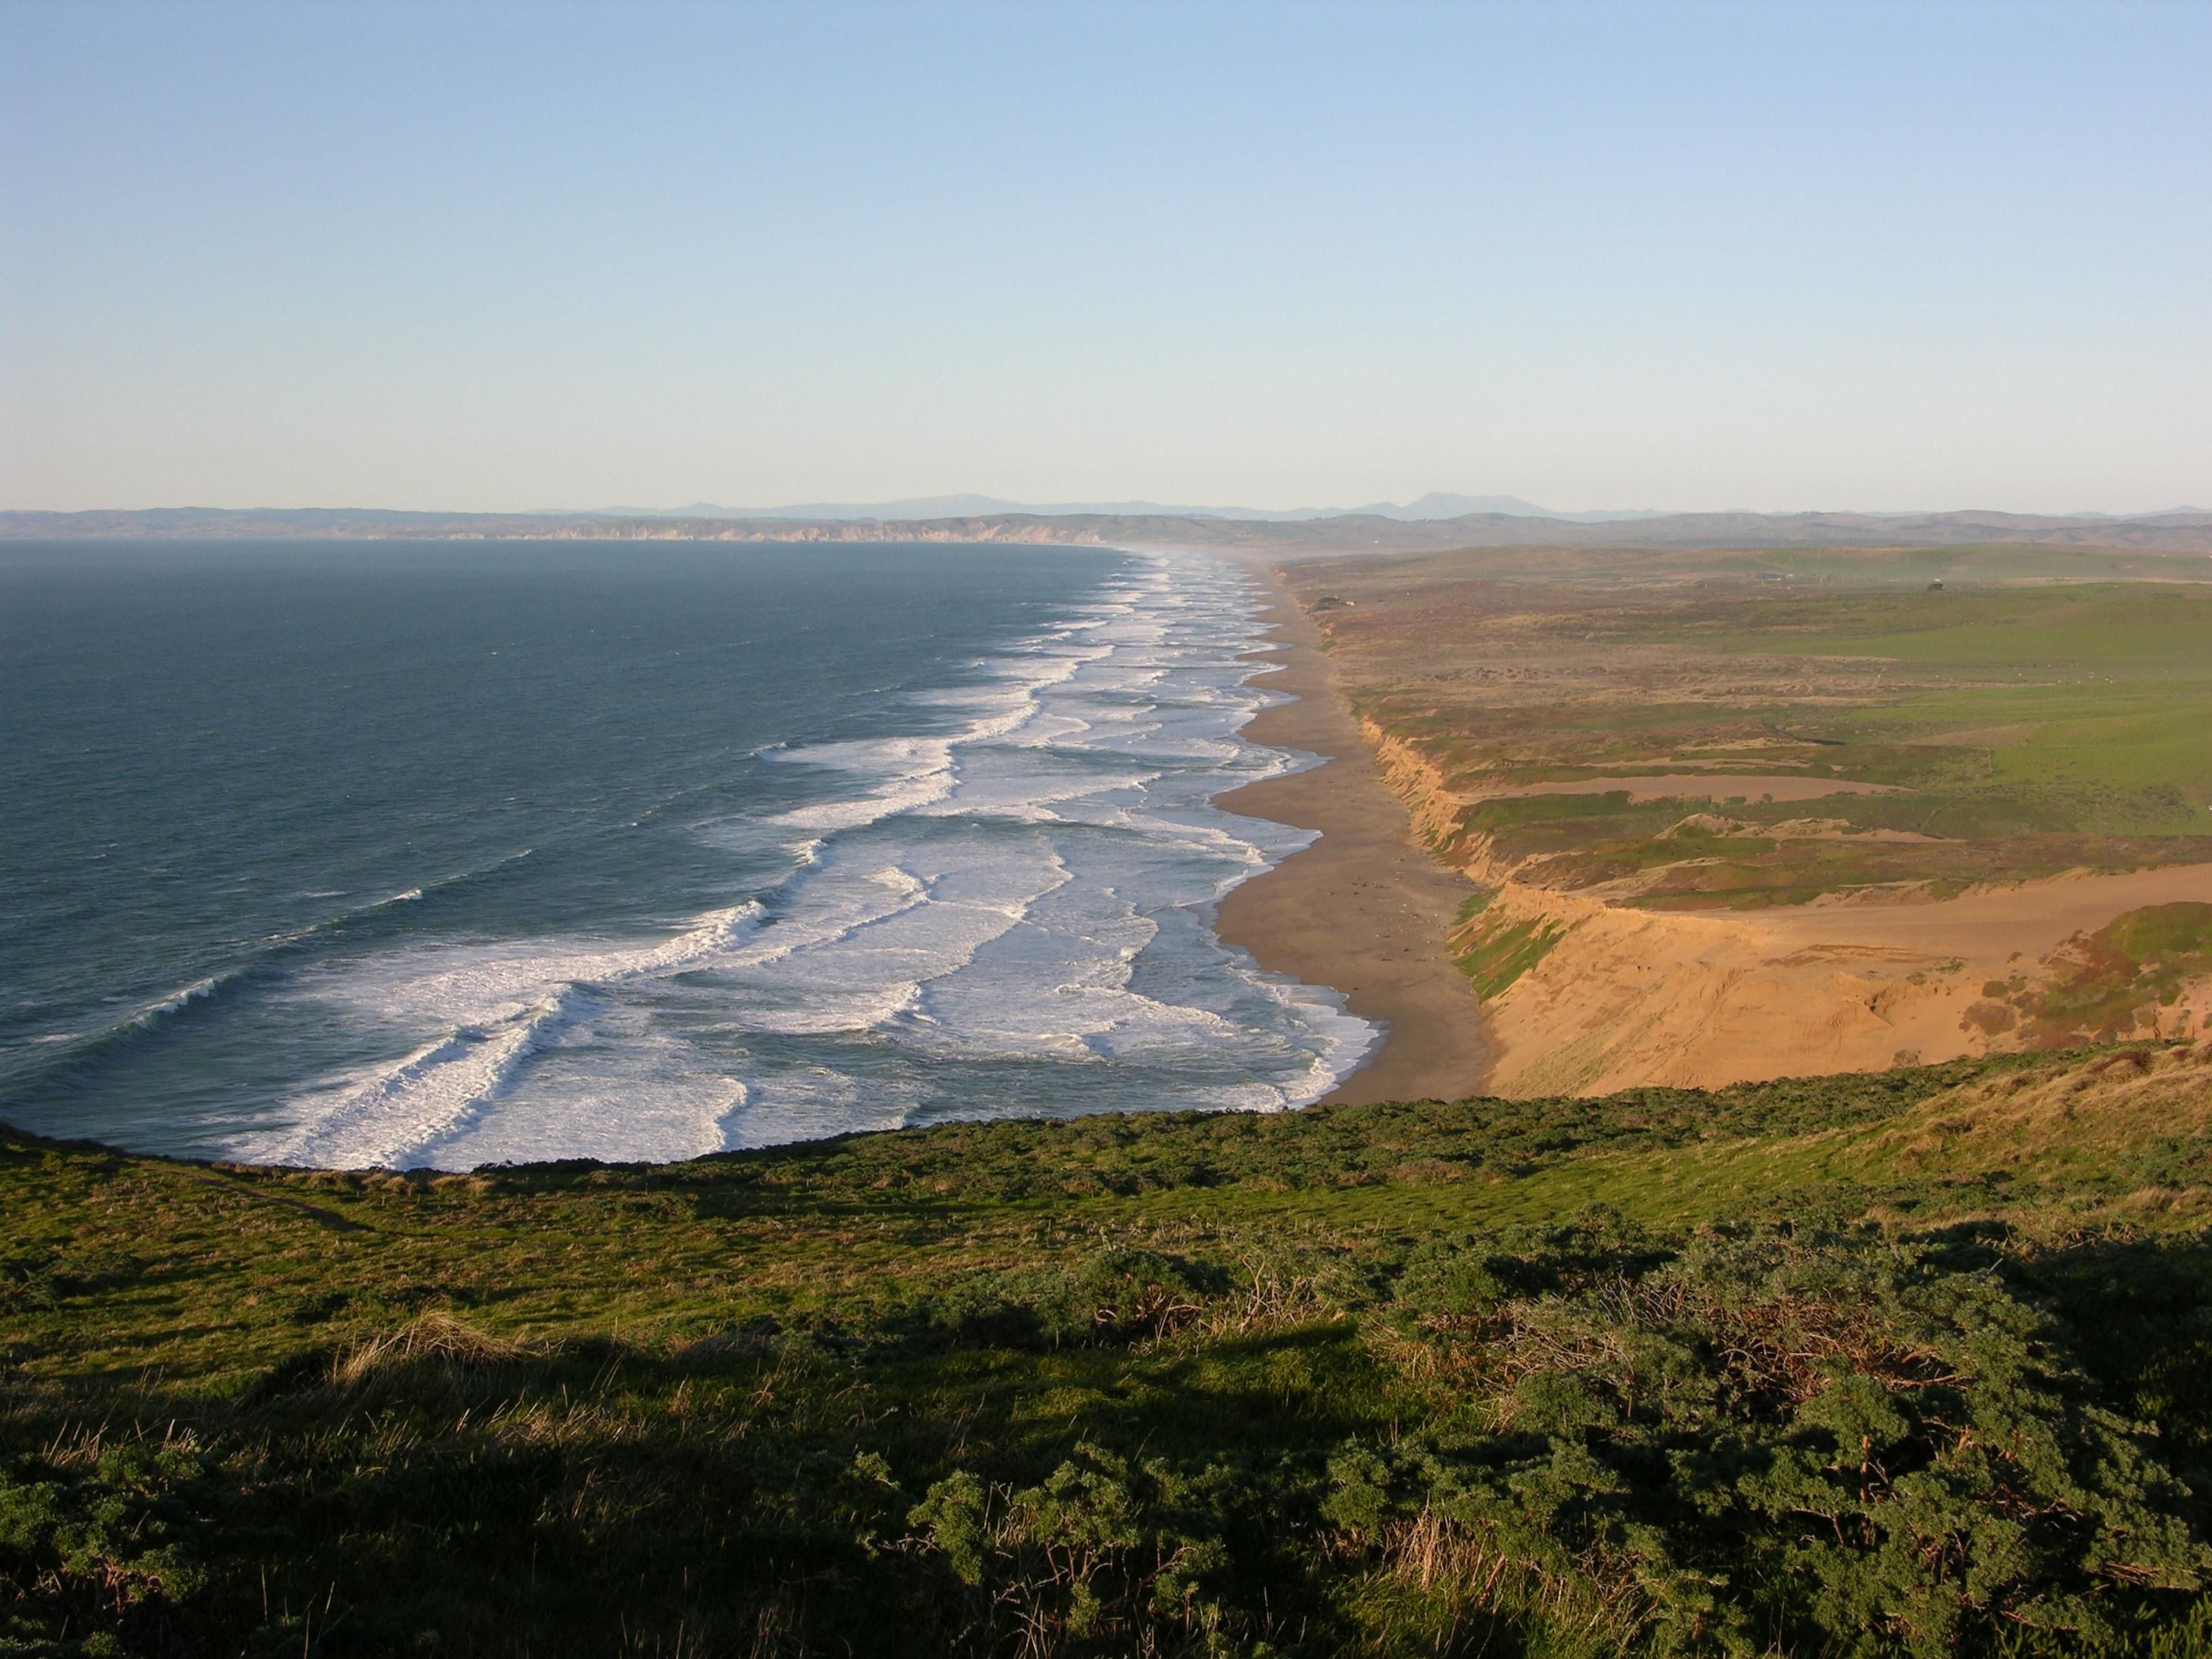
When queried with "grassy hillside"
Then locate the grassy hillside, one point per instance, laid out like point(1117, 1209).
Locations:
point(1910, 1362)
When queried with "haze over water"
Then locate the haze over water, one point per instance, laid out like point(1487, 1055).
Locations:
point(453, 853)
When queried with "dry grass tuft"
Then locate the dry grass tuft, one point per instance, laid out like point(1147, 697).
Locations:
point(431, 1336)
point(1466, 1569)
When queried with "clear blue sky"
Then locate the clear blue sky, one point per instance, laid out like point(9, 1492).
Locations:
point(505, 256)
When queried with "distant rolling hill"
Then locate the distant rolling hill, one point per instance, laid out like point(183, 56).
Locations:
point(1397, 530)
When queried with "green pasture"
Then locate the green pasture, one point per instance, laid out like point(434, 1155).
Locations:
point(1976, 564)
point(2030, 729)
point(2154, 631)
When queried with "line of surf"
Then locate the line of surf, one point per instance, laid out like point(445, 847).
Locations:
point(265, 963)
point(508, 1005)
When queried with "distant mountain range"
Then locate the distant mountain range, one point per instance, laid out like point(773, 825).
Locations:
point(1402, 529)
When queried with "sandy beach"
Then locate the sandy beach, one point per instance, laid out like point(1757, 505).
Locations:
point(1364, 909)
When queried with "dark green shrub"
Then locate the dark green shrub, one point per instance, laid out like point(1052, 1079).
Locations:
point(1838, 1448)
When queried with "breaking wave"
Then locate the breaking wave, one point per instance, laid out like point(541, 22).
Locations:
point(1002, 906)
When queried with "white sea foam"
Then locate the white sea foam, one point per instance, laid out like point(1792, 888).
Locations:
point(504, 1005)
point(1002, 910)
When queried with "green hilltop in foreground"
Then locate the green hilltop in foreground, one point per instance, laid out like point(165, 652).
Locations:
point(1912, 1363)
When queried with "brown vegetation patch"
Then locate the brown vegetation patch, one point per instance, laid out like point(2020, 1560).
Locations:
point(2046, 1122)
point(2138, 975)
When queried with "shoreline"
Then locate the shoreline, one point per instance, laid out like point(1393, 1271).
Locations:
point(1363, 911)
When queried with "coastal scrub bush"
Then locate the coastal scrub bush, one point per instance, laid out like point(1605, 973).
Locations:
point(1118, 1294)
point(1257, 1390)
point(1107, 1554)
point(95, 1548)
point(1836, 1447)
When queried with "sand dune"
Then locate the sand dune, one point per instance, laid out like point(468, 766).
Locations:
point(1630, 997)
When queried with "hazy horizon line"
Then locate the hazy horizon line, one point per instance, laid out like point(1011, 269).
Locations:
point(1434, 506)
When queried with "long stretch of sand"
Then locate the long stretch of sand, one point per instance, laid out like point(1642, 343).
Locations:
point(1364, 909)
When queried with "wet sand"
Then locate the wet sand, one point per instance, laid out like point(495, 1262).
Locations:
point(1364, 909)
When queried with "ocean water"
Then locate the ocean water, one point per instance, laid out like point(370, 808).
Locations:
point(448, 854)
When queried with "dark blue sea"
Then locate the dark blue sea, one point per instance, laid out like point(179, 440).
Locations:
point(445, 854)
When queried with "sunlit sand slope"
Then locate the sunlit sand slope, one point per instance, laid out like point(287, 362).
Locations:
point(1632, 997)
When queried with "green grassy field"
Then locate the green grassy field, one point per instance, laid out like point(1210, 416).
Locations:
point(2015, 725)
point(2097, 689)
point(1910, 1362)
